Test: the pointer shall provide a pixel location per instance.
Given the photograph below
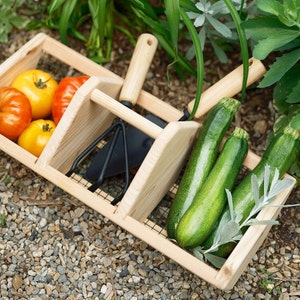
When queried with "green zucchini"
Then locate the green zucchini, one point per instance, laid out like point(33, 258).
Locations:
point(201, 217)
point(280, 154)
point(202, 158)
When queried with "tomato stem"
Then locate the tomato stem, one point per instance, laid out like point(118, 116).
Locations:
point(40, 84)
point(47, 127)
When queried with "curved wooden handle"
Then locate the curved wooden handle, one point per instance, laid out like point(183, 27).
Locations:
point(138, 67)
point(228, 86)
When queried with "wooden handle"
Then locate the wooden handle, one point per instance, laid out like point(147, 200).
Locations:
point(138, 67)
point(228, 86)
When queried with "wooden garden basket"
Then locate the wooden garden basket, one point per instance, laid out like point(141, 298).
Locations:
point(91, 111)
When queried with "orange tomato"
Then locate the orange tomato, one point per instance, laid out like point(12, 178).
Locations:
point(15, 112)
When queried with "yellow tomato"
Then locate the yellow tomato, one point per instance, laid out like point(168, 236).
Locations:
point(39, 87)
point(35, 137)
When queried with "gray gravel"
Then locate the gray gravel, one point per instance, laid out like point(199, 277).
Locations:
point(54, 247)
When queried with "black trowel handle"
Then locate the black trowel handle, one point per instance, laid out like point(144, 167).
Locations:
point(138, 68)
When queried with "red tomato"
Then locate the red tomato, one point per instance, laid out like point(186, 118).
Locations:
point(64, 94)
point(15, 112)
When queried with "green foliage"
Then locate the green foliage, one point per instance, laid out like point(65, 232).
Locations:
point(214, 20)
point(277, 30)
point(10, 18)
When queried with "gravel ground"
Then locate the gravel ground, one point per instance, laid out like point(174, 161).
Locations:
point(54, 247)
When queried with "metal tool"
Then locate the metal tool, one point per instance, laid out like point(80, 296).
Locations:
point(116, 133)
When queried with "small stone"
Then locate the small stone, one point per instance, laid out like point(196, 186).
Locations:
point(17, 282)
point(37, 253)
point(43, 222)
point(61, 269)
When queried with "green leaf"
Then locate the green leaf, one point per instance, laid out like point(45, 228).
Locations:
point(243, 44)
point(279, 68)
point(286, 85)
point(19, 21)
point(54, 6)
point(271, 7)
point(64, 20)
point(269, 33)
point(295, 123)
point(264, 47)
point(293, 96)
point(199, 59)
point(280, 123)
point(173, 17)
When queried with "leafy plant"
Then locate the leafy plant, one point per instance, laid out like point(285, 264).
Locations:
point(215, 23)
point(179, 15)
point(277, 30)
point(10, 19)
point(233, 230)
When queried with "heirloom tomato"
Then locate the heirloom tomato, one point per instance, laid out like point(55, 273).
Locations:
point(35, 137)
point(15, 112)
point(64, 93)
point(39, 87)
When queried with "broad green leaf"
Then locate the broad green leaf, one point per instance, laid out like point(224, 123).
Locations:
point(279, 68)
point(271, 7)
point(264, 47)
point(19, 21)
point(3, 38)
point(286, 86)
point(268, 27)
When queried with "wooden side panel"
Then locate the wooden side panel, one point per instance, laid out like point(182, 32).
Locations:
point(159, 170)
point(80, 125)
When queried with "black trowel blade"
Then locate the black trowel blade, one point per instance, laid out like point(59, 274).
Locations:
point(138, 144)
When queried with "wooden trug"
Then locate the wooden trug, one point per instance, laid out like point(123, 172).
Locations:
point(92, 111)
